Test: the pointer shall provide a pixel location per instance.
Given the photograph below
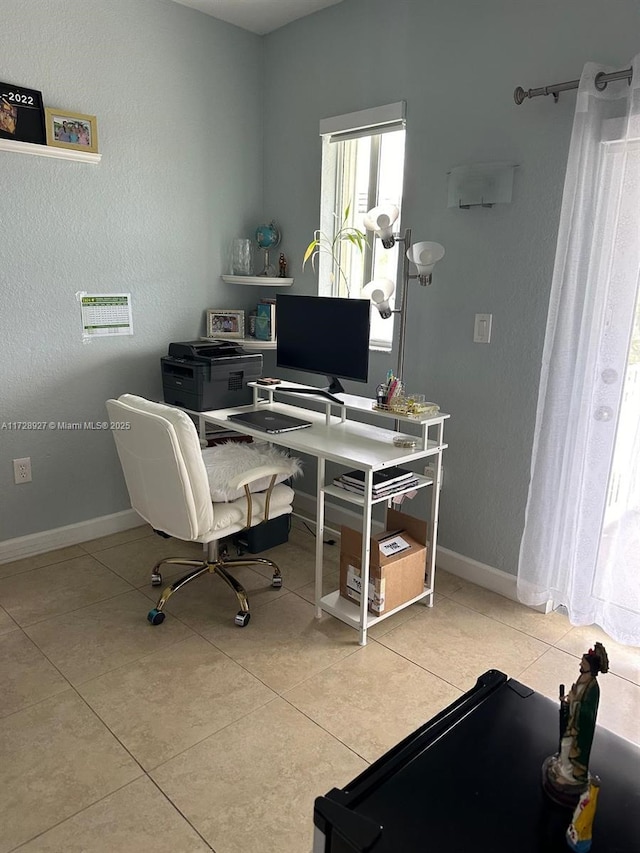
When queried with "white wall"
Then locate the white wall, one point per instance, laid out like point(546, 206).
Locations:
point(456, 64)
point(179, 122)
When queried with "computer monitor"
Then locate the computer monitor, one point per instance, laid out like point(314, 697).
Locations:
point(321, 334)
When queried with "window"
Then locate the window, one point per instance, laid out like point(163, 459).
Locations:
point(362, 166)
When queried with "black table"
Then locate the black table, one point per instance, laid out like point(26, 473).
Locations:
point(470, 780)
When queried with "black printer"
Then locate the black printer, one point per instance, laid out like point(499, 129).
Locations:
point(204, 375)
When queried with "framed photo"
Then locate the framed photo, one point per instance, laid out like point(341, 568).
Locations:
point(21, 114)
point(225, 323)
point(71, 130)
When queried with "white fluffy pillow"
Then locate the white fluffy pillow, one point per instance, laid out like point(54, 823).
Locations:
point(225, 461)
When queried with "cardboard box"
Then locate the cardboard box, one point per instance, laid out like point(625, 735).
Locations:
point(393, 579)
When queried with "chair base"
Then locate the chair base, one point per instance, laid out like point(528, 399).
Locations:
point(201, 567)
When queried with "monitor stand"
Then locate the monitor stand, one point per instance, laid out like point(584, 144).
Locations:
point(335, 387)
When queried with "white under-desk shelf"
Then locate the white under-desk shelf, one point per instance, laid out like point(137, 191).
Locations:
point(359, 499)
point(49, 151)
point(349, 612)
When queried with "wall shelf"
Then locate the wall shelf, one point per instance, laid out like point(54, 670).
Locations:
point(49, 151)
point(261, 280)
point(247, 343)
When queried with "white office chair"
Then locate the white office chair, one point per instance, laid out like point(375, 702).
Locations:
point(177, 487)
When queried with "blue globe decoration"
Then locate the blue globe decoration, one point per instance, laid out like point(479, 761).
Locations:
point(267, 236)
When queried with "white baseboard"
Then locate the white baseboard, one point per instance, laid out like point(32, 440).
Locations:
point(304, 505)
point(71, 534)
point(478, 573)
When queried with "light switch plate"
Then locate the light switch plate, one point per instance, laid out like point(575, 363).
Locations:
point(482, 329)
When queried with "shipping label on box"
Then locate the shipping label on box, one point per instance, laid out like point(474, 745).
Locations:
point(375, 594)
point(395, 545)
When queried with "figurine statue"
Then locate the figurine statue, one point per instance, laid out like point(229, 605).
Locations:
point(565, 775)
point(282, 263)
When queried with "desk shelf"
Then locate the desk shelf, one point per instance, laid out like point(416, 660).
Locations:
point(359, 500)
point(349, 612)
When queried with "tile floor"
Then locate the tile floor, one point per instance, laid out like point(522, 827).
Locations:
point(196, 735)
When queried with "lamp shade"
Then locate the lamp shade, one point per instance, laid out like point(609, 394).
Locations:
point(425, 256)
point(379, 291)
point(380, 220)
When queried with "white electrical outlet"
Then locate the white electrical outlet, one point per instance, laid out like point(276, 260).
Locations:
point(430, 472)
point(22, 470)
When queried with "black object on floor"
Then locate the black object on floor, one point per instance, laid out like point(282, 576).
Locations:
point(266, 535)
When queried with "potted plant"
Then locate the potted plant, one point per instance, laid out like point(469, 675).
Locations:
point(323, 244)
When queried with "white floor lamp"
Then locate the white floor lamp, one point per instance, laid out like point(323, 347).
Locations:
point(424, 256)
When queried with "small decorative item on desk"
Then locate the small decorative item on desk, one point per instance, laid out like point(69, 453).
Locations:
point(268, 237)
point(565, 775)
point(390, 397)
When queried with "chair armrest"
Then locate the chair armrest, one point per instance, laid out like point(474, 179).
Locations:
point(254, 474)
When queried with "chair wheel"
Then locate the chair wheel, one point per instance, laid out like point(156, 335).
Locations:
point(156, 579)
point(156, 617)
point(242, 619)
point(276, 581)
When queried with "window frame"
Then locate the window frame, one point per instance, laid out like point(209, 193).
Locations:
point(337, 161)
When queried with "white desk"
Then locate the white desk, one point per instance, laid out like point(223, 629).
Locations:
point(353, 445)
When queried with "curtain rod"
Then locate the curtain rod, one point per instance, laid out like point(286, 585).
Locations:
point(601, 81)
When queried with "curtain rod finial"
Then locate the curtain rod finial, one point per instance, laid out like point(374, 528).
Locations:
point(519, 95)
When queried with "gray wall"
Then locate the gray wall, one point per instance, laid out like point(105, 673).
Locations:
point(186, 158)
point(456, 65)
point(179, 123)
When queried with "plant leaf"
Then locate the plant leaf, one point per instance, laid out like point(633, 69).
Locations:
point(311, 248)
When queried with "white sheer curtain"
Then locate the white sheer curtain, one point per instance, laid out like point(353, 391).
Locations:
point(581, 541)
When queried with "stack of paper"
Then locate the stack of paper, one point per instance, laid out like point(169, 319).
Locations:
point(385, 482)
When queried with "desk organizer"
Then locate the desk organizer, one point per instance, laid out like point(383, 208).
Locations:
point(411, 406)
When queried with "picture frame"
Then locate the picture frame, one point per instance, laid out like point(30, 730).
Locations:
point(225, 323)
point(76, 131)
point(21, 114)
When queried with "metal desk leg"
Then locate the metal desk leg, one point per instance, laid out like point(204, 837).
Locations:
point(435, 505)
point(364, 557)
point(319, 533)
